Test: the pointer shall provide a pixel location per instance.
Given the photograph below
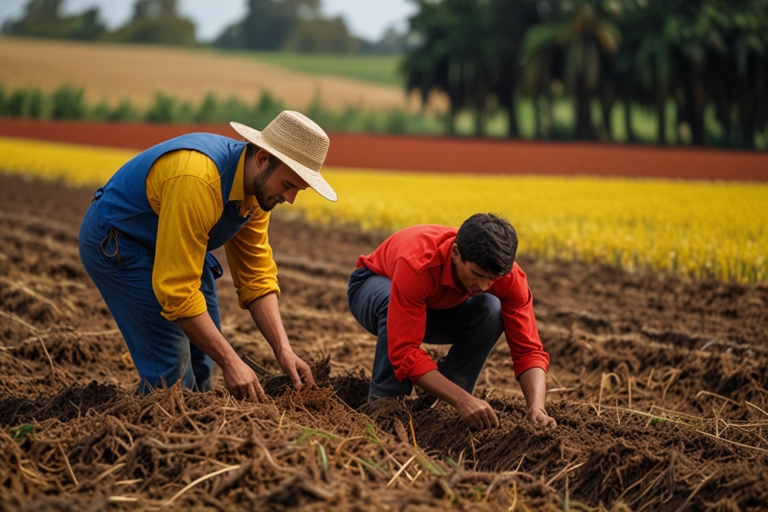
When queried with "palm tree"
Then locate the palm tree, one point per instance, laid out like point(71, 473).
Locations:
point(454, 56)
point(648, 47)
point(740, 75)
point(510, 19)
point(695, 38)
point(585, 32)
point(426, 65)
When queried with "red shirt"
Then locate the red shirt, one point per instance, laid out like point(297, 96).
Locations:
point(418, 261)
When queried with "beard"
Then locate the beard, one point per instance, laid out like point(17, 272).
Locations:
point(266, 202)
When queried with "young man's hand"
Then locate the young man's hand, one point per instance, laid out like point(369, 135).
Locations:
point(539, 416)
point(476, 413)
point(533, 382)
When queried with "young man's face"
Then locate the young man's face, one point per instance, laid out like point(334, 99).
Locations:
point(274, 184)
point(472, 277)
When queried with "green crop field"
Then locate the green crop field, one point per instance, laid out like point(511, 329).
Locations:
point(380, 69)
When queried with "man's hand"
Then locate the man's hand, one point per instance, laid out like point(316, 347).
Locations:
point(242, 382)
point(533, 382)
point(539, 416)
point(476, 413)
point(266, 316)
point(296, 369)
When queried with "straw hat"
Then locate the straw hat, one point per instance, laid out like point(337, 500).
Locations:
point(298, 142)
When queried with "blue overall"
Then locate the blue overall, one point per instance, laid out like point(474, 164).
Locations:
point(117, 246)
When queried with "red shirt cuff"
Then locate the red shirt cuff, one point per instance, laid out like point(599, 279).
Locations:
point(533, 361)
point(415, 364)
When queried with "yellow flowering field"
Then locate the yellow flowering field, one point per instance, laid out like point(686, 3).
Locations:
point(697, 228)
point(693, 228)
point(74, 164)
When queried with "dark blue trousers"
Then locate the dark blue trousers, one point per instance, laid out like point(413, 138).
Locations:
point(121, 268)
point(472, 329)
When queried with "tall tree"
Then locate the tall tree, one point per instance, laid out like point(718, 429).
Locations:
point(739, 75)
point(293, 25)
point(267, 24)
point(646, 63)
point(455, 56)
point(585, 30)
point(157, 22)
point(509, 20)
point(321, 35)
point(42, 19)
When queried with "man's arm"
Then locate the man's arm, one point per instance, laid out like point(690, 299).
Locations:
point(528, 356)
point(240, 380)
point(183, 190)
point(533, 382)
point(266, 316)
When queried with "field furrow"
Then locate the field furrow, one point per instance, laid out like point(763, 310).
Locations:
point(658, 383)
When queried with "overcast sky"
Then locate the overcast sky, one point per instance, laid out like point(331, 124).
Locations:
point(364, 18)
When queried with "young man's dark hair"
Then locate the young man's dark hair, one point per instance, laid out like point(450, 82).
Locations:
point(489, 241)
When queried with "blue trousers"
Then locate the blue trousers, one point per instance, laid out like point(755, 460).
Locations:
point(472, 329)
point(121, 268)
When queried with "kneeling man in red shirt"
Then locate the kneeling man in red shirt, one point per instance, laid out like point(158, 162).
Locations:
point(437, 284)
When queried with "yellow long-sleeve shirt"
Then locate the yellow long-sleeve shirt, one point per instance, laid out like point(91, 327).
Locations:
point(184, 190)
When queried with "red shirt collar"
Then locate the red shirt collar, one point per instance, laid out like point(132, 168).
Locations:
point(447, 276)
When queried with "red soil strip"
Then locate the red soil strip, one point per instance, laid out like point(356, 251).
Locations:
point(443, 154)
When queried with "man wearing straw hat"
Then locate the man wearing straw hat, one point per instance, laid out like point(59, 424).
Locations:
point(147, 238)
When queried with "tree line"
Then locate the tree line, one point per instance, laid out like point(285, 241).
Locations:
point(688, 65)
point(282, 25)
point(680, 58)
point(155, 21)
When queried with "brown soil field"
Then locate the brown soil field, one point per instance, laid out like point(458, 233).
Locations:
point(113, 72)
point(658, 385)
point(442, 154)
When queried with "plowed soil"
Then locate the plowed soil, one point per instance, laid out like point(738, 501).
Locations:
point(659, 386)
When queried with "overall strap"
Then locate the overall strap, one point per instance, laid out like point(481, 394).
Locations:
point(124, 203)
